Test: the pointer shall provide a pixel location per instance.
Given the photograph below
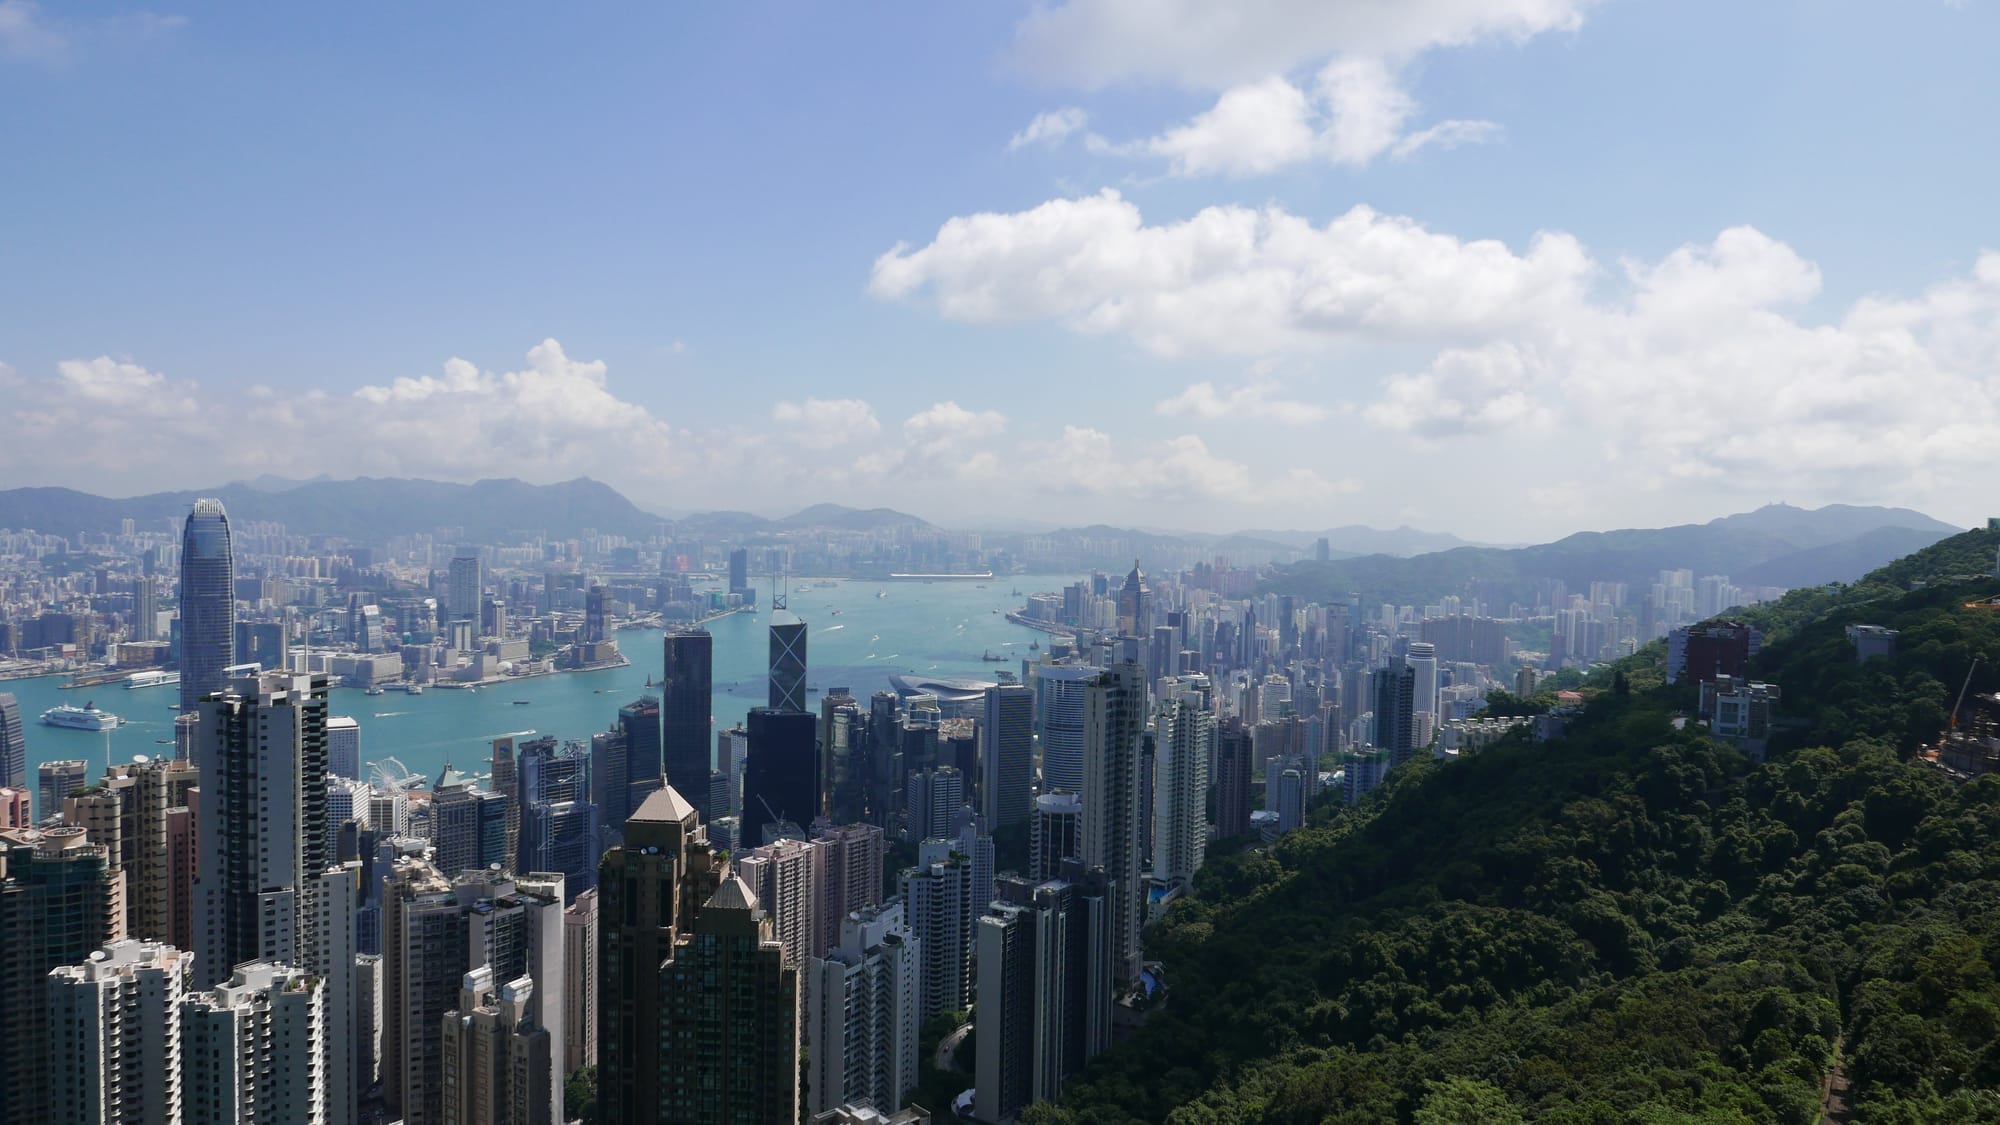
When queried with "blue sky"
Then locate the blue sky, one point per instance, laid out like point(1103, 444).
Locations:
point(1672, 259)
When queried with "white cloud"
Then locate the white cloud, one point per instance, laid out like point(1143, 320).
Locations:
point(1705, 364)
point(25, 34)
point(1229, 280)
point(1250, 402)
point(1050, 129)
point(941, 439)
point(818, 423)
point(1358, 108)
point(1178, 470)
point(28, 34)
point(1203, 45)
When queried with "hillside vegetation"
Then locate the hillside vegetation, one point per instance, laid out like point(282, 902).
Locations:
point(1630, 924)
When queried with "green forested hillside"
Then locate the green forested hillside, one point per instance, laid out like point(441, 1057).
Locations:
point(1630, 924)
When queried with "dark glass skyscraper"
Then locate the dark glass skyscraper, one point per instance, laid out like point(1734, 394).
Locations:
point(208, 602)
point(13, 744)
point(780, 774)
point(788, 661)
point(687, 688)
point(640, 722)
point(1395, 689)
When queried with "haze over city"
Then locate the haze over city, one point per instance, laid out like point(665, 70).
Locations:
point(1299, 264)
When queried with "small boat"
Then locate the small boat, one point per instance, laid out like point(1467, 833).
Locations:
point(151, 678)
point(520, 703)
point(415, 689)
point(881, 593)
point(649, 682)
point(988, 657)
point(163, 742)
point(1035, 644)
point(373, 689)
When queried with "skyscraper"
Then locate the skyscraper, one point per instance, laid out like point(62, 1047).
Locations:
point(1061, 690)
point(1185, 740)
point(1394, 690)
point(145, 609)
point(780, 778)
point(208, 603)
point(1134, 608)
point(729, 1027)
point(114, 1024)
point(56, 780)
point(580, 982)
point(937, 901)
point(260, 748)
point(343, 747)
point(739, 571)
point(58, 903)
point(862, 1005)
point(788, 661)
point(1233, 767)
point(13, 744)
point(1007, 755)
point(247, 1047)
point(649, 888)
point(462, 591)
point(1055, 834)
point(1114, 721)
point(640, 721)
point(496, 1055)
point(687, 689)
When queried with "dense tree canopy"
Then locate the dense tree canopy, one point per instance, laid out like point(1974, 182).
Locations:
point(1633, 923)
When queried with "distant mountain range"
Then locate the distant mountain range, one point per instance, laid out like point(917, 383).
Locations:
point(1777, 545)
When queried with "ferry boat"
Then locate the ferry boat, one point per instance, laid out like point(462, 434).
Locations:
point(151, 677)
point(413, 689)
point(521, 702)
point(86, 717)
point(374, 689)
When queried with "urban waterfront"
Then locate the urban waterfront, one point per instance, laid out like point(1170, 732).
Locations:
point(861, 633)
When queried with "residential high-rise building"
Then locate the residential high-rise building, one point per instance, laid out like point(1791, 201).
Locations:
point(208, 604)
point(1184, 742)
point(250, 1048)
point(496, 1057)
point(114, 1024)
point(423, 960)
point(1234, 762)
point(1044, 989)
point(1114, 722)
point(788, 661)
point(781, 783)
point(649, 889)
point(145, 609)
point(58, 904)
point(1423, 662)
point(937, 905)
point(788, 878)
point(154, 858)
point(260, 748)
point(16, 808)
point(687, 696)
point(55, 781)
point(13, 744)
point(854, 854)
point(935, 796)
point(343, 746)
point(729, 1028)
point(580, 982)
point(1007, 756)
point(862, 1014)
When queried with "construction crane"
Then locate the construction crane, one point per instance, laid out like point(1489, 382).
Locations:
point(1952, 726)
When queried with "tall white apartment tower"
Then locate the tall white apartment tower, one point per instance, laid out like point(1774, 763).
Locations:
point(114, 1024)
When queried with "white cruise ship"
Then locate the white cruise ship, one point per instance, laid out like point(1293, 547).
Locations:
point(86, 717)
point(151, 677)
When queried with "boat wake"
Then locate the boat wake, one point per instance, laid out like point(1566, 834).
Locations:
point(831, 629)
point(389, 714)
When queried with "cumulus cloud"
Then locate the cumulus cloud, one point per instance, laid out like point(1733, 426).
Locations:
point(818, 423)
point(1177, 470)
point(1704, 364)
point(28, 34)
point(942, 439)
point(1356, 110)
point(1050, 129)
point(1229, 280)
point(1250, 402)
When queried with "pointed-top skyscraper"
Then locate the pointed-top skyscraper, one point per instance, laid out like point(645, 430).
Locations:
point(788, 661)
point(208, 602)
point(1132, 608)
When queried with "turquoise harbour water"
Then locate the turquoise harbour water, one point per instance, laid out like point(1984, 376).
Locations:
point(857, 640)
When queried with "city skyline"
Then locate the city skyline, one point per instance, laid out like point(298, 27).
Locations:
point(1334, 325)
